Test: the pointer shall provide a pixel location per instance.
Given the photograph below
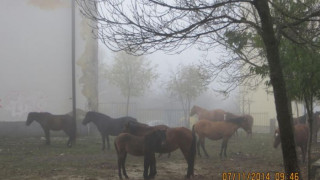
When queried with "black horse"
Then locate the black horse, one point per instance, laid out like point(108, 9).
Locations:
point(56, 123)
point(107, 125)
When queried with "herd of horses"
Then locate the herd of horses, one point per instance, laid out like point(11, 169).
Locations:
point(139, 139)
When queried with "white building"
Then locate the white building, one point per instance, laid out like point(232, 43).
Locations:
point(36, 58)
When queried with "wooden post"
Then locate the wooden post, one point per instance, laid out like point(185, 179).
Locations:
point(272, 126)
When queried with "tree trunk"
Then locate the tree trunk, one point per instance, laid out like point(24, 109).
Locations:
point(297, 108)
point(128, 102)
point(309, 107)
point(283, 106)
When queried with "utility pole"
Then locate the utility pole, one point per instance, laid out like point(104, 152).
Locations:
point(73, 59)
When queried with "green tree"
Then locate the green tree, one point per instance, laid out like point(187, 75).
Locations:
point(141, 27)
point(301, 68)
point(132, 74)
point(185, 84)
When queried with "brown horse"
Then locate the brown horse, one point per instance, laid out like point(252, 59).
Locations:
point(219, 130)
point(213, 115)
point(139, 146)
point(301, 135)
point(249, 118)
point(56, 123)
point(179, 137)
point(148, 129)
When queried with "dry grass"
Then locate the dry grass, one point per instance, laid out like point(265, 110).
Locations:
point(29, 158)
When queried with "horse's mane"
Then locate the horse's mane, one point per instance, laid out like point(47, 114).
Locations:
point(137, 124)
point(236, 120)
point(97, 114)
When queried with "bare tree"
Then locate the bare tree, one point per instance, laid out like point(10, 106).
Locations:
point(145, 26)
point(185, 84)
point(132, 74)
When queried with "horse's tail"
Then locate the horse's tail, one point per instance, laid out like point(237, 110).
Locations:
point(192, 155)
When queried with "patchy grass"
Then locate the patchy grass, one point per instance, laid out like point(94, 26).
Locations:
point(29, 158)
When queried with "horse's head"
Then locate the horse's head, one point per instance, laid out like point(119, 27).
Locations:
point(193, 110)
point(156, 139)
point(276, 138)
point(88, 118)
point(245, 124)
point(31, 117)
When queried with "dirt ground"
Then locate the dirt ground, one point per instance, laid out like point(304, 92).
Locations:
point(29, 158)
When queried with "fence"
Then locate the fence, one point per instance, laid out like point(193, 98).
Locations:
point(170, 117)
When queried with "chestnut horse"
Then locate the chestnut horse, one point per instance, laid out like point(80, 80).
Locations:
point(56, 123)
point(213, 115)
point(179, 137)
point(139, 146)
point(301, 135)
point(107, 125)
point(219, 130)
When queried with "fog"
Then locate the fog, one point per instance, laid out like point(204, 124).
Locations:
point(167, 63)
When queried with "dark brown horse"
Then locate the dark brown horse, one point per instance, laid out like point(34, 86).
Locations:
point(139, 146)
point(250, 121)
point(219, 130)
point(107, 125)
point(213, 115)
point(179, 137)
point(56, 123)
point(147, 129)
point(301, 135)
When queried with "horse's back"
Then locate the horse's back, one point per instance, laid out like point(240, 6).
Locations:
point(215, 115)
point(115, 126)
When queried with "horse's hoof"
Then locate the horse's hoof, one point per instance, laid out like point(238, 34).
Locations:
point(186, 177)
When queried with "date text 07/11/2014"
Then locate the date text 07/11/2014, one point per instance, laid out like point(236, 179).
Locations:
point(259, 176)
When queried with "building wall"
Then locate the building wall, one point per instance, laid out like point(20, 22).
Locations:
point(260, 103)
point(35, 53)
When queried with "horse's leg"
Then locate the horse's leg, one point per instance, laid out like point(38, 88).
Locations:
point(198, 146)
point(222, 147)
point(225, 147)
point(69, 143)
point(303, 151)
point(103, 136)
point(153, 169)
point(203, 148)
point(146, 164)
point(186, 153)
point(123, 166)
point(108, 144)
point(47, 134)
point(120, 159)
